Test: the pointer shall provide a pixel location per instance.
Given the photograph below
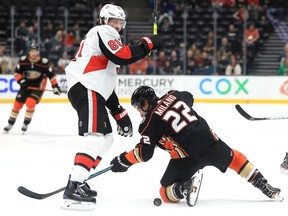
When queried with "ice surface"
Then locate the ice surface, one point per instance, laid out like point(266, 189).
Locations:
point(42, 159)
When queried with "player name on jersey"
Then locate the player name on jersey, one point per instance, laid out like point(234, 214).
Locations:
point(165, 105)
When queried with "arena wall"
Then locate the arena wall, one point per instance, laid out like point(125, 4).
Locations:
point(207, 89)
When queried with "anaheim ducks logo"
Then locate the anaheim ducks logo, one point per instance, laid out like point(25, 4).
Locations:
point(32, 74)
point(284, 88)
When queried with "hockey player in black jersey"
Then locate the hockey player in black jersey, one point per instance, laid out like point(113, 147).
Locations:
point(172, 124)
point(31, 74)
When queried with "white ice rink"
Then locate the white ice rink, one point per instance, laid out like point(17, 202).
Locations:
point(42, 159)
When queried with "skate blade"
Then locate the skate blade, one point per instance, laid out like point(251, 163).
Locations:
point(77, 205)
point(196, 185)
point(278, 197)
point(283, 170)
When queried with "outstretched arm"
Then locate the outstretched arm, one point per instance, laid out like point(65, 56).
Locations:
point(129, 54)
point(141, 153)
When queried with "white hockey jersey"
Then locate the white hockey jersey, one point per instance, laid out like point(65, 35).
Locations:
point(90, 67)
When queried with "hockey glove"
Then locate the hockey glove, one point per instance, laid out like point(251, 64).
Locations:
point(124, 124)
point(154, 42)
point(56, 89)
point(23, 83)
point(120, 163)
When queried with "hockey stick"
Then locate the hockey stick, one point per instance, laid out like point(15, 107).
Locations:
point(155, 26)
point(34, 195)
point(249, 117)
point(49, 90)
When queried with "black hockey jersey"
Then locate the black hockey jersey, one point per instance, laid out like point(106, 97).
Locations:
point(174, 126)
point(35, 73)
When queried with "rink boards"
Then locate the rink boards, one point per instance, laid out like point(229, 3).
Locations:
point(208, 89)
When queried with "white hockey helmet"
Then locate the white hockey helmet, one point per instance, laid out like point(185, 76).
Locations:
point(112, 11)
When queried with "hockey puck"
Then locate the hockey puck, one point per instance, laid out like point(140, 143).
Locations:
point(157, 201)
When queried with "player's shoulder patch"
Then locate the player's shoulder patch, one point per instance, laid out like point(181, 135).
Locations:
point(22, 58)
point(45, 60)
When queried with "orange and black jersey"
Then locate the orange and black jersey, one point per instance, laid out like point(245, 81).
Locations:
point(35, 73)
point(173, 126)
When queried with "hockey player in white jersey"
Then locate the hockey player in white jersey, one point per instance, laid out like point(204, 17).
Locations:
point(91, 78)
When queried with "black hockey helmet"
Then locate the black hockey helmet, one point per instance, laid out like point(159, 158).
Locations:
point(142, 94)
point(33, 46)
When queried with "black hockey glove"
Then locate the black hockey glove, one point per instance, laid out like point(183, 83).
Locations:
point(124, 124)
point(23, 83)
point(120, 163)
point(154, 42)
point(56, 89)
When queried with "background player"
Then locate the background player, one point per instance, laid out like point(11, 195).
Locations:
point(91, 78)
point(172, 124)
point(31, 74)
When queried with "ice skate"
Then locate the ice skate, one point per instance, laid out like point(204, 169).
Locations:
point(78, 196)
point(24, 128)
point(88, 188)
point(8, 128)
point(92, 192)
point(267, 189)
point(191, 188)
point(284, 164)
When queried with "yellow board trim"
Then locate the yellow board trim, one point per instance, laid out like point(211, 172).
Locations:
point(230, 101)
point(44, 100)
point(199, 100)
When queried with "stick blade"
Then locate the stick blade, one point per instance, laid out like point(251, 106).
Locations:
point(29, 193)
point(242, 112)
point(34, 195)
